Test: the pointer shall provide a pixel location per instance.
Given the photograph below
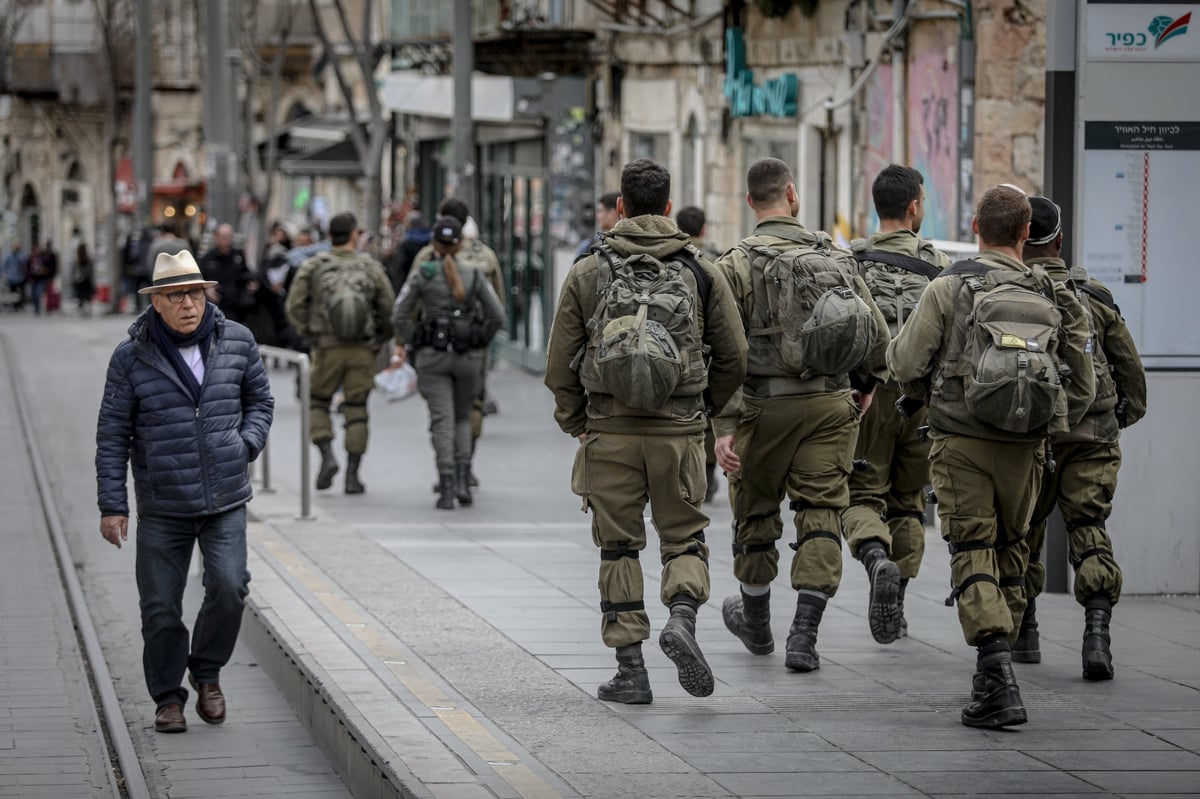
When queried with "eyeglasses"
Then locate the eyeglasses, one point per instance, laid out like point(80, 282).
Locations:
point(176, 297)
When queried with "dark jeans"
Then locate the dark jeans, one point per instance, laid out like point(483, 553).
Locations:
point(164, 548)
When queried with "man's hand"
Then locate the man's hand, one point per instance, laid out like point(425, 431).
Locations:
point(726, 459)
point(863, 401)
point(115, 529)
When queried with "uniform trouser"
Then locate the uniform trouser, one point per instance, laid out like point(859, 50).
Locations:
point(449, 382)
point(986, 491)
point(887, 501)
point(1082, 485)
point(615, 475)
point(353, 369)
point(477, 405)
point(798, 447)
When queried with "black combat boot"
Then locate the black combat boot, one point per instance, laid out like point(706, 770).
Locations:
point(802, 638)
point(678, 642)
point(995, 697)
point(900, 607)
point(329, 464)
point(462, 483)
point(1097, 658)
point(749, 618)
point(445, 492)
point(631, 684)
point(883, 611)
point(353, 484)
point(1027, 648)
point(710, 473)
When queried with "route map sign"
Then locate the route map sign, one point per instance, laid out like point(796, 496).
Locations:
point(1138, 178)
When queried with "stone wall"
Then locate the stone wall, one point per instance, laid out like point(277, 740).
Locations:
point(1010, 87)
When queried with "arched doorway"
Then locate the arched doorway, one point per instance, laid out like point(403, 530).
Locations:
point(29, 226)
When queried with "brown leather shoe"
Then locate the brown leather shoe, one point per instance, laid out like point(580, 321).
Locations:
point(169, 718)
point(210, 702)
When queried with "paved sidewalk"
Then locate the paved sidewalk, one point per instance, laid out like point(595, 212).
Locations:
point(463, 648)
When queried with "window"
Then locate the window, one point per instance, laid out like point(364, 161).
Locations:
point(655, 146)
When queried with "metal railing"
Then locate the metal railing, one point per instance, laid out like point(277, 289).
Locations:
point(264, 458)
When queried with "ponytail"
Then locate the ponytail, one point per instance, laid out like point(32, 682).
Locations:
point(453, 279)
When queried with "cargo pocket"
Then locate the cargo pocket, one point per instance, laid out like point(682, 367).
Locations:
point(580, 481)
point(693, 481)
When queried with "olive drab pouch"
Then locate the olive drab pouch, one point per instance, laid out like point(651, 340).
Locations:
point(347, 295)
point(1011, 377)
point(1106, 386)
point(808, 306)
point(644, 344)
point(896, 282)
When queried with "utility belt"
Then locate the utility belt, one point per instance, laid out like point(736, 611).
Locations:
point(450, 333)
point(768, 386)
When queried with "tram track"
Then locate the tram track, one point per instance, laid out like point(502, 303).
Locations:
point(126, 779)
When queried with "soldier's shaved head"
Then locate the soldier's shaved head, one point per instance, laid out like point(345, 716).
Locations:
point(767, 181)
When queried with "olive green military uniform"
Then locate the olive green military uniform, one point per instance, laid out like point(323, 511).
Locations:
point(795, 437)
point(348, 364)
point(887, 501)
point(1087, 458)
point(449, 380)
point(474, 254)
point(630, 456)
point(986, 479)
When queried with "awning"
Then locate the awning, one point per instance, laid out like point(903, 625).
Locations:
point(315, 147)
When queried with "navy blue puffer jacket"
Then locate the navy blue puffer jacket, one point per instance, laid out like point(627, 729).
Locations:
point(189, 460)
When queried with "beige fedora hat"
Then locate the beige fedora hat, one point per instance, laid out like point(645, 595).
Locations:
point(174, 271)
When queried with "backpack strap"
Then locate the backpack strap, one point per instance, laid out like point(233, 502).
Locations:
point(969, 268)
point(704, 281)
point(905, 262)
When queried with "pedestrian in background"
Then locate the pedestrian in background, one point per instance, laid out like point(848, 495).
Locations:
point(1086, 458)
point(341, 301)
point(630, 453)
point(236, 283)
point(885, 522)
point(15, 274)
point(187, 402)
point(447, 313)
point(83, 278)
point(989, 440)
point(607, 217)
point(791, 433)
point(43, 268)
point(417, 234)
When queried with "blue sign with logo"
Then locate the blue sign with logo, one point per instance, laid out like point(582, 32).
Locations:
point(777, 97)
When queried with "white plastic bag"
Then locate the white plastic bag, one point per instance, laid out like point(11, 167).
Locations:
point(397, 383)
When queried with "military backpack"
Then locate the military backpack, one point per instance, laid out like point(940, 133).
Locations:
point(1004, 351)
point(896, 282)
point(347, 293)
point(807, 304)
point(644, 342)
point(1106, 386)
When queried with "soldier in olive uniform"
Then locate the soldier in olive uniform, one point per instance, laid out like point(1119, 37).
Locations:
point(628, 456)
point(885, 523)
point(447, 312)
point(1086, 459)
point(473, 254)
point(986, 478)
point(790, 435)
point(691, 221)
point(337, 360)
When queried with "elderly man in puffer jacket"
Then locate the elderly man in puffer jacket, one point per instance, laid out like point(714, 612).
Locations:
point(188, 402)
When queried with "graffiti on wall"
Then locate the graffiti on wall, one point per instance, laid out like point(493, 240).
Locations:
point(879, 145)
point(933, 138)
